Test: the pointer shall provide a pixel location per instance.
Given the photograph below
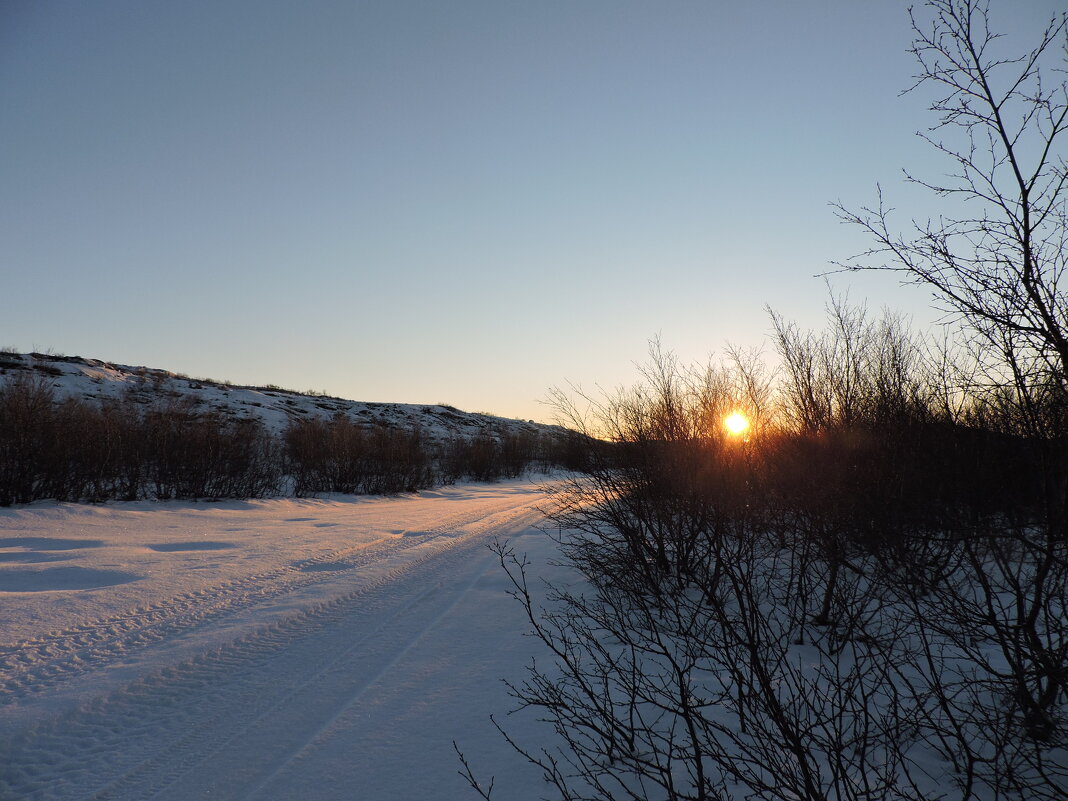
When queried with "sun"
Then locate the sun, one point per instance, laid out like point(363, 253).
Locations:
point(736, 423)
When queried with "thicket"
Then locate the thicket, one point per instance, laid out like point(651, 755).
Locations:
point(169, 446)
point(866, 596)
point(861, 597)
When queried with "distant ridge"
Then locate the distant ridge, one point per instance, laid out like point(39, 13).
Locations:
point(92, 379)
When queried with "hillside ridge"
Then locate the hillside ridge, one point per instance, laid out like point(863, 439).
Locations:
point(98, 380)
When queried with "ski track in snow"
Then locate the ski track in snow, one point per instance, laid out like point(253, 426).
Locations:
point(238, 720)
point(35, 666)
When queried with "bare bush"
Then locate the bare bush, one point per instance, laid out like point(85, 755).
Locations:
point(339, 455)
point(809, 612)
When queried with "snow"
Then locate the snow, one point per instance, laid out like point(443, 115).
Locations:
point(95, 380)
point(272, 649)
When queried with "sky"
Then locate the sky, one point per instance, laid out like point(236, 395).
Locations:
point(466, 202)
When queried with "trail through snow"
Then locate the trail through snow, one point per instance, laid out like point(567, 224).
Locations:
point(259, 663)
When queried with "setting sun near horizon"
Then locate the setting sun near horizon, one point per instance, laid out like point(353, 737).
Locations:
point(736, 423)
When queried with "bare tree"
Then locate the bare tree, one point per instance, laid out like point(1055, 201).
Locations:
point(706, 695)
point(997, 265)
point(999, 269)
point(664, 476)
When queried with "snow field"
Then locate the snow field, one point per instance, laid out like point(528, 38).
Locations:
point(304, 649)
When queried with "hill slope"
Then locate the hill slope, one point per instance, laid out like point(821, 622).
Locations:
point(91, 379)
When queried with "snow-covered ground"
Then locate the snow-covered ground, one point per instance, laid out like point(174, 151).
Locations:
point(274, 649)
point(95, 380)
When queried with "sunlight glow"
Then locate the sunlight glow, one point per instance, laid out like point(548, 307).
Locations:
point(736, 423)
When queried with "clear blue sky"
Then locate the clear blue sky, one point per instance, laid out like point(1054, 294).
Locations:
point(465, 201)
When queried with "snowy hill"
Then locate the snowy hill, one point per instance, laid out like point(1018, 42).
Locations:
point(91, 379)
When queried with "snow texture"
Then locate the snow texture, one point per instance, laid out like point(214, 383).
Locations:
point(271, 649)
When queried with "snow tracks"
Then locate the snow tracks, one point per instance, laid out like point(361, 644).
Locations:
point(237, 691)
